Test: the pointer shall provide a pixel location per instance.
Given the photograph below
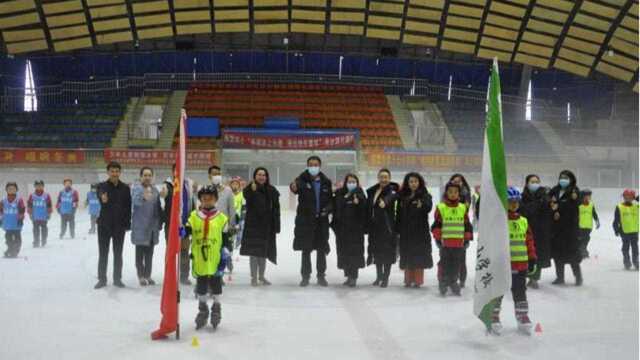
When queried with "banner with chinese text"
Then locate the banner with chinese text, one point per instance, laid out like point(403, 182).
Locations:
point(195, 159)
point(290, 139)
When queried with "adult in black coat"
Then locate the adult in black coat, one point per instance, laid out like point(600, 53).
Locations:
point(113, 222)
point(261, 224)
point(311, 230)
point(564, 230)
point(412, 224)
point(348, 223)
point(381, 217)
point(465, 197)
point(536, 208)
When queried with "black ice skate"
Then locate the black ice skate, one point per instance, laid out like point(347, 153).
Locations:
point(203, 315)
point(216, 314)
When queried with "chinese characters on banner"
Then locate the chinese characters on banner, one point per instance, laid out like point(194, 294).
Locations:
point(316, 141)
point(416, 160)
point(41, 156)
point(195, 159)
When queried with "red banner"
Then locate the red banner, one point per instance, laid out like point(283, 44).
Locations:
point(41, 156)
point(195, 159)
point(315, 141)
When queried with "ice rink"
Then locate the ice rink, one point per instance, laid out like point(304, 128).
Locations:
point(49, 310)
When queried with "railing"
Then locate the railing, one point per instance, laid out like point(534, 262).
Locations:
point(69, 91)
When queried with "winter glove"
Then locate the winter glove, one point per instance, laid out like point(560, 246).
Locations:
point(466, 244)
point(225, 255)
point(182, 232)
point(533, 267)
point(439, 244)
point(597, 224)
point(617, 233)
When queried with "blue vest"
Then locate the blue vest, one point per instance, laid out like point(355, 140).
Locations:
point(66, 202)
point(39, 207)
point(94, 203)
point(10, 215)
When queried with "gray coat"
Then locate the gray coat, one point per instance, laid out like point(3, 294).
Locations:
point(226, 203)
point(146, 216)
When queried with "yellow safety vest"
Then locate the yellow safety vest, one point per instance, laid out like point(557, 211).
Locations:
point(205, 248)
point(518, 239)
point(586, 216)
point(629, 218)
point(238, 199)
point(452, 221)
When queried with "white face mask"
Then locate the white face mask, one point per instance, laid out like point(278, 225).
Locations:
point(351, 186)
point(313, 170)
point(216, 179)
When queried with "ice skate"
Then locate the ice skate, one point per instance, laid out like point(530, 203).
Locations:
point(216, 314)
point(203, 315)
point(524, 325)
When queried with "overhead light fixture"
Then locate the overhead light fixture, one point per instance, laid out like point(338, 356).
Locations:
point(285, 41)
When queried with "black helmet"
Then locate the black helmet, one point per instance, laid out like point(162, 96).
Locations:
point(94, 186)
point(38, 182)
point(11, 183)
point(208, 190)
point(585, 192)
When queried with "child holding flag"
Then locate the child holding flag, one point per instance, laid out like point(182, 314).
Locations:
point(39, 207)
point(523, 261)
point(12, 217)
point(625, 225)
point(206, 227)
point(453, 232)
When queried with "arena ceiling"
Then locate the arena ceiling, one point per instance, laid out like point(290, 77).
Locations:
point(580, 37)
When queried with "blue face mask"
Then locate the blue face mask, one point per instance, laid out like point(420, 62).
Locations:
point(564, 183)
point(313, 170)
point(533, 187)
point(351, 186)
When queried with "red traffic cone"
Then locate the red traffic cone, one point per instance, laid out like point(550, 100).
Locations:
point(538, 329)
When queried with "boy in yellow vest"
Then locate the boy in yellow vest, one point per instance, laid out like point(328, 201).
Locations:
point(453, 232)
point(625, 225)
point(523, 263)
point(208, 254)
point(587, 215)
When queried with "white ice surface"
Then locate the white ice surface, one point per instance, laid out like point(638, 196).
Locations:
point(49, 310)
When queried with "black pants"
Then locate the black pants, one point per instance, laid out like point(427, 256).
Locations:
point(463, 268)
point(40, 233)
point(351, 272)
point(321, 263)
point(584, 235)
point(13, 240)
point(69, 219)
point(519, 294)
point(630, 241)
point(575, 268)
point(383, 271)
point(258, 266)
point(451, 261)
point(144, 260)
point(104, 239)
point(208, 285)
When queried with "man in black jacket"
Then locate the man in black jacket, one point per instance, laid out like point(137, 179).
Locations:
point(311, 230)
point(114, 221)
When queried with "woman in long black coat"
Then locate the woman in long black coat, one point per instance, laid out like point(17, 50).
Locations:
point(536, 208)
point(564, 230)
point(381, 251)
point(349, 221)
point(412, 224)
point(262, 223)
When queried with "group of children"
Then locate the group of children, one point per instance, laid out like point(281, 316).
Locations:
point(39, 207)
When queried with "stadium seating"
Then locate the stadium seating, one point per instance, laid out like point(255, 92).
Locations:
point(318, 106)
point(89, 124)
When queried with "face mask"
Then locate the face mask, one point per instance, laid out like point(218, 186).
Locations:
point(533, 187)
point(216, 179)
point(313, 170)
point(351, 186)
point(563, 183)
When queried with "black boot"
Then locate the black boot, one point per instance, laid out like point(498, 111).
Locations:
point(577, 272)
point(559, 274)
point(378, 275)
point(216, 314)
point(322, 281)
point(203, 315)
point(455, 289)
point(304, 282)
point(351, 282)
point(443, 288)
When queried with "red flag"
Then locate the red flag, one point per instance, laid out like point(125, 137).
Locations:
point(169, 301)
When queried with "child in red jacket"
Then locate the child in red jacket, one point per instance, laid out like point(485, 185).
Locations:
point(453, 232)
point(523, 262)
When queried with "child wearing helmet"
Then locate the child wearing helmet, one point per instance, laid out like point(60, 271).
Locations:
point(206, 227)
point(587, 215)
point(453, 231)
point(39, 207)
point(12, 211)
point(625, 225)
point(523, 262)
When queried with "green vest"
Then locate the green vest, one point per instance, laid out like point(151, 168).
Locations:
point(629, 218)
point(586, 216)
point(238, 199)
point(518, 239)
point(205, 248)
point(452, 221)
